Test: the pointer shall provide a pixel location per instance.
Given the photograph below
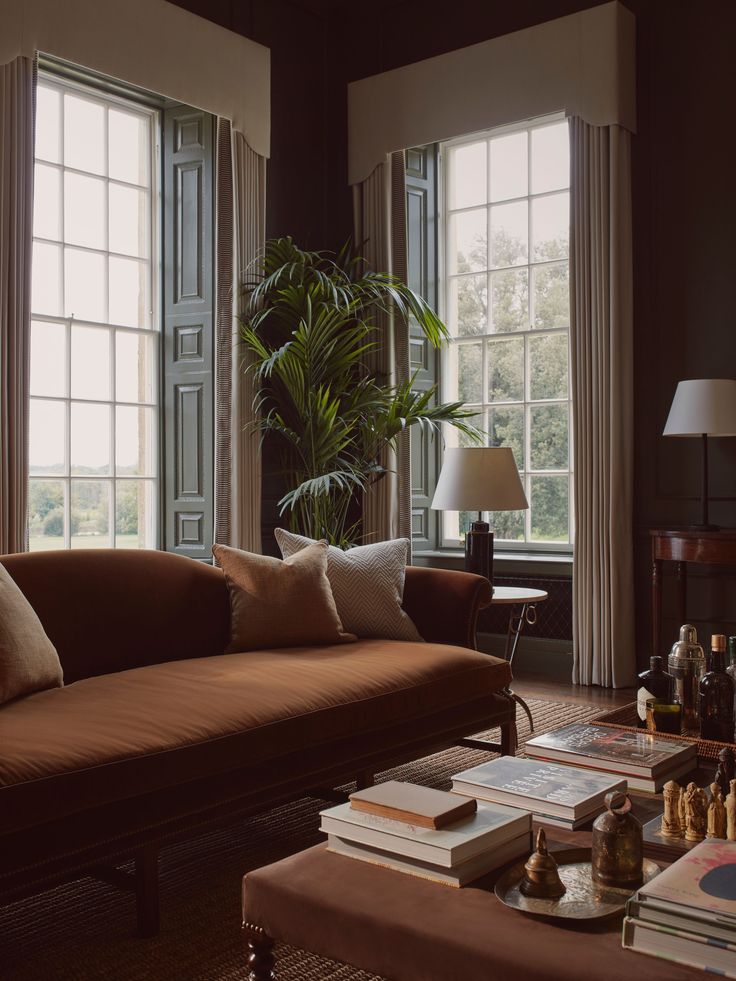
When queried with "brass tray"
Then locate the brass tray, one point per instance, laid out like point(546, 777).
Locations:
point(584, 899)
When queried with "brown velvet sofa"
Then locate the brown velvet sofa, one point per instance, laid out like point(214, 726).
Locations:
point(157, 734)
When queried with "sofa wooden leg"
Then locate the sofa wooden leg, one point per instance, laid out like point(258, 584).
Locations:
point(260, 953)
point(364, 779)
point(146, 892)
point(509, 738)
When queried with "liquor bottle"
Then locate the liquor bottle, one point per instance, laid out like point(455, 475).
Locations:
point(654, 683)
point(731, 669)
point(716, 696)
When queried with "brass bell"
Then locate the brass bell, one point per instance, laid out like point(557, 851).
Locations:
point(618, 848)
point(541, 878)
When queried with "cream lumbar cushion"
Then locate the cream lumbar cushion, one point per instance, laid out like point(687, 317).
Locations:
point(367, 583)
point(280, 604)
point(28, 659)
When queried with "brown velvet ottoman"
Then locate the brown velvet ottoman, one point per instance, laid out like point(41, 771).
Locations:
point(408, 929)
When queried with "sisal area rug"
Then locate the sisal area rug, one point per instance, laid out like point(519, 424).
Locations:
point(85, 930)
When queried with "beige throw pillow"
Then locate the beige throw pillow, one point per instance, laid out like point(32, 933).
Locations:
point(28, 659)
point(280, 604)
point(367, 583)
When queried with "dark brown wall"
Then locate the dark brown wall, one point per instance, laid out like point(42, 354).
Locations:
point(684, 204)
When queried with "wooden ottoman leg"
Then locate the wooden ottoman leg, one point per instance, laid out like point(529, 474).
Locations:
point(146, 892)
point(260, 953)
point(509, 738)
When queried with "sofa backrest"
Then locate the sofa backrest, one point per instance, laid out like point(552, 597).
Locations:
point(112, 609)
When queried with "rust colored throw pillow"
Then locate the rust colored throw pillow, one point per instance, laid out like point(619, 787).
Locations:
point(28, 659)
point(280, 604)
point(368, 585)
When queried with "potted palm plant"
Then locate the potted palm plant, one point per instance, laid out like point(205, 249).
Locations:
point(308, 326)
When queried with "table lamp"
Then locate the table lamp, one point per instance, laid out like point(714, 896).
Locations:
point(479, 478)
point(703, 407)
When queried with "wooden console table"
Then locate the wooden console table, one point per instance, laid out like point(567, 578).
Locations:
point(683, 546)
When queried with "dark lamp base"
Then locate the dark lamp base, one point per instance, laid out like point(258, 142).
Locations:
point(479, 550)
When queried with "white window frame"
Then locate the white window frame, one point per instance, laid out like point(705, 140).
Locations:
point(528, 545)
point(154, 533)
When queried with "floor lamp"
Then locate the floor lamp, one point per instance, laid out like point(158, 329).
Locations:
point(479, 478)
point(703, 407)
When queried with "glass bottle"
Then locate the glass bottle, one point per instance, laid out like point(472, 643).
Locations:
point(654, 683)
point(716, 696)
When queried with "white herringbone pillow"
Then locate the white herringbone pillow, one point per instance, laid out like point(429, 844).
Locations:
point(367, 584)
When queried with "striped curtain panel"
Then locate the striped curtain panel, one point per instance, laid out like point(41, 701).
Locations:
point(17, 117)
point(380, 234)
point(241, 231)
point(601, 341)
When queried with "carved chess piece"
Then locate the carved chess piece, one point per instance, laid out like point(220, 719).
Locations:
point(726, 770)
point(681, 809)
point(671, 826)
point(731, 813)
point(696, 808)
point(716, 814)
point(541, 878)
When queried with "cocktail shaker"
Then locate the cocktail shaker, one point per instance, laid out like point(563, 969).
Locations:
point(687, 665)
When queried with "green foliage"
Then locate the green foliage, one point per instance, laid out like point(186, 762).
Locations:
point(309, 326)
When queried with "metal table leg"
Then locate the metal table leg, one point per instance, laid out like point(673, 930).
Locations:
point(517, 619)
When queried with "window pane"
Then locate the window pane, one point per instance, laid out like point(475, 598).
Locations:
point(90, 514)
point(549, 509)
point(468, 307)
point(90, 438)
point(509, 167)
point(510, 298)
point(506, 428)
point(548, 366)
point(46, 279)
point(135, 514)
point(128, 220)
point(548, 437)
point(508, 526)
point(128, 293)
point(84, 285)
point(129, 146)
point(90, 363)
point(509, 234)
point(48, 129)
point(48, 359)
point(135, 368)
point(468, 250)
point(45, 514)
point(478, 420)
point(506, 370)
point(47, 202)
point(551, 226)
point(468, 175)
point(135, 441)
point(551, 295)
point(84, 211)
point(46, 437)
point(84, 134)
point(550, 158)
point(469, 368)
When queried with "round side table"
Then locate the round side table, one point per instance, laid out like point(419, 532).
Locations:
point(523, 610)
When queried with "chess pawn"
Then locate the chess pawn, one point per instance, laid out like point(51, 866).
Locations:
point(731, 813)
point(716, 814)
point(671, 826)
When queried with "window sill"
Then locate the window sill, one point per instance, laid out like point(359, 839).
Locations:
point(504, 563)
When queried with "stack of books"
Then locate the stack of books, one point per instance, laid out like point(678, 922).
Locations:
point(556, 794)
point(428, 833)
point(646, 761)
point(687, 913)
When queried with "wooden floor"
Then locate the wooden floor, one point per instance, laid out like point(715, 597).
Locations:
point(537, 686)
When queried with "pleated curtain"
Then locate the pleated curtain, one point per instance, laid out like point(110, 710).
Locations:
point(601, 343)
point(17, 114)
point(380, 235)
point(241, 225)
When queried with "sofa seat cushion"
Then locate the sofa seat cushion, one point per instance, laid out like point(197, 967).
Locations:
point(121, 735)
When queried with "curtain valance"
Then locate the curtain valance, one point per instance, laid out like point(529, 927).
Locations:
point(152, 44)
point(582, 64)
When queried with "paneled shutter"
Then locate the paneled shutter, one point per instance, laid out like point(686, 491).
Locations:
point(188, 318)
point(421, 220)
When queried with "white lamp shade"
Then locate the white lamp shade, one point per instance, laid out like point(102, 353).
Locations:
point(479, 478)
point(703, 406)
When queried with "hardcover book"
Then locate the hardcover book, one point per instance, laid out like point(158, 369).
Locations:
point(491, 826)
point(680, 946)
point(549, 790)
point(703, 881)
point(408, 802)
